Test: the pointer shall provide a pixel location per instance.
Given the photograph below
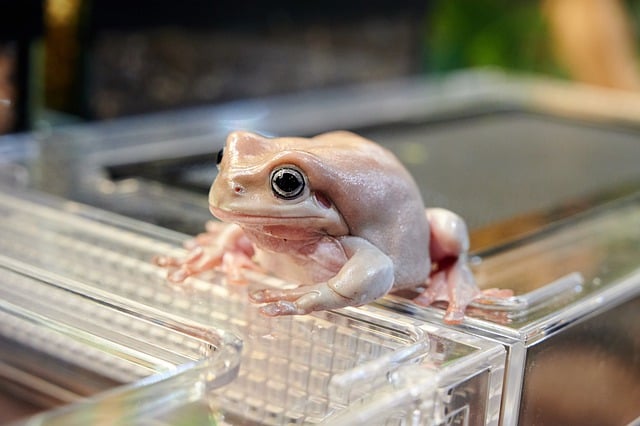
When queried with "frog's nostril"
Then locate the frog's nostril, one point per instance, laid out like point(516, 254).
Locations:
point(233, 188)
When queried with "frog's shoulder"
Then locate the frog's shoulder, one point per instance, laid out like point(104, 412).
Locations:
point(363, 179)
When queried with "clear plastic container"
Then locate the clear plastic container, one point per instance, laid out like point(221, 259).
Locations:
point(118, 318)
point(576, 277)
point(576, 303)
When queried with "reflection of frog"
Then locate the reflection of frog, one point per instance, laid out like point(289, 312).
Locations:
point(336, 213)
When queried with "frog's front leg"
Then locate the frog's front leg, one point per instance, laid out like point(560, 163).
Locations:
point(223, 245)
point(366, 276)
point(451, 279)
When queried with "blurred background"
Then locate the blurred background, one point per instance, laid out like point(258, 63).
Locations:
point(75, 60)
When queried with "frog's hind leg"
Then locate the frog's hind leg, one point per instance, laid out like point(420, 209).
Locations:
point(453, 284)
point(451, 278)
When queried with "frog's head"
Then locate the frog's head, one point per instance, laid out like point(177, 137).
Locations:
point(270, 182)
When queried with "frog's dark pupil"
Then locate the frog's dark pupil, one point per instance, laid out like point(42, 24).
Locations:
point(288, 182)
point(220, 155)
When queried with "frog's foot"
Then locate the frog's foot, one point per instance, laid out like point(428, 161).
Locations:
point(298, 301)
point(222, 245)
point(454, 284)
point(179, 269)
point(495, 293)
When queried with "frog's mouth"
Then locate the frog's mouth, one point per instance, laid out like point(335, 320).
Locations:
point(311, 224)
point(267, 229)
point(257, 219)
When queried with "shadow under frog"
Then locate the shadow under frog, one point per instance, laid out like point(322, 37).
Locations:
point(336, 213)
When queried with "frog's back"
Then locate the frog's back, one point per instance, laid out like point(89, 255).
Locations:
point(378, 199)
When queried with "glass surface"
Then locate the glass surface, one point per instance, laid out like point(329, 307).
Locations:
point(568, 264)
point(561, 372)
point(571, 261)
point(562, 278)
point(116, 316)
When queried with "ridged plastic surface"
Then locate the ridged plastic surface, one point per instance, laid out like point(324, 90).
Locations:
point(81, 285)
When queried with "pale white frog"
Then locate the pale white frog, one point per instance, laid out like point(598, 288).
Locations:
point(337, 214)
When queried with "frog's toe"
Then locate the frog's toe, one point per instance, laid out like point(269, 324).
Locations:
point(496, 293)
point(267, 295)
point(436, 290)
point(282, 307)
point(165, 261)
point(296, 301)
point(178, 275)
point(454, 315)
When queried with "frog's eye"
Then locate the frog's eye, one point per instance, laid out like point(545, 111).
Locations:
point(219, 157)
point(287, 182)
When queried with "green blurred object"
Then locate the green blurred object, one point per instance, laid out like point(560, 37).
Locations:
point(481, 33)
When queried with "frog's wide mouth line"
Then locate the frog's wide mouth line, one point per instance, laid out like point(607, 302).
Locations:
point(228, 216)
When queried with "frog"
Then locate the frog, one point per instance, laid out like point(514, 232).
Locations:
point(338, 215)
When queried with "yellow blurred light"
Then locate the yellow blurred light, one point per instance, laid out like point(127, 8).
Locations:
point(62, 12)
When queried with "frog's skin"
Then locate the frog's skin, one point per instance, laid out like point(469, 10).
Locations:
point(337, 214)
